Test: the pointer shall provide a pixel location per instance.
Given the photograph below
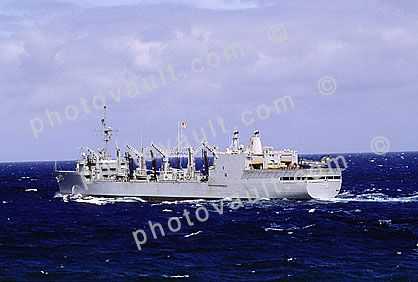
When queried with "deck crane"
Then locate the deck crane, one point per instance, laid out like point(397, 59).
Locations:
point(211, 149)
point(141, 171)
point(139, 156)
point(166, 160)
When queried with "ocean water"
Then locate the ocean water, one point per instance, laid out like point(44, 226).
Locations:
point(370, 232)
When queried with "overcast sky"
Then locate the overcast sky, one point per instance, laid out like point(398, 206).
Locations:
point(350, 69)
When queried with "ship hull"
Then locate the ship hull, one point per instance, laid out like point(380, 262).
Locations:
point(247, 187)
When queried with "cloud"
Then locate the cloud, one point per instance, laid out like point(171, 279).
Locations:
point(203, 4)
point(54, 53)
point(11, 52)
point(146, 54)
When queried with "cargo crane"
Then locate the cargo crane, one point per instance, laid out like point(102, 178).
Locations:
point(167, 173)
point(141, 171)
point(211, 149)
point(206, 148)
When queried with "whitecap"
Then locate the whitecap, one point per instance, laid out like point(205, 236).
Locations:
point(176, 276)
point(100, 201)
point(308, 226)
point(94, 201)
point(273, 229)
point(264, 199)
point(374, 197)
point(193, 234)
point(179, 202)
point(31, 190)
point(385, 221)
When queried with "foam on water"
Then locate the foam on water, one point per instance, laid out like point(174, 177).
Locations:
point(345, 197)
point(373, 197)
point(176, 276)
point(84, 238)
point(193, 234)
point(275, 227)
point(31, 190)
point(100, 201)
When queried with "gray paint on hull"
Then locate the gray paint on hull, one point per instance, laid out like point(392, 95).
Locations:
point(246, 187)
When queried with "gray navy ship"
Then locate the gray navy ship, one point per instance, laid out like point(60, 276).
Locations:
point(253, 171)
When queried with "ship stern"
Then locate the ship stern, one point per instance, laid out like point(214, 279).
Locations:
point(324, 190)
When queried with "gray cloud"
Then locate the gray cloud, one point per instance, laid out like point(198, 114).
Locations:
point(203, 4)
point(54, 53)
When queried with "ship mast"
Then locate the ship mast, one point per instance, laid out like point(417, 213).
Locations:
point(107, 132)
point(180, 126)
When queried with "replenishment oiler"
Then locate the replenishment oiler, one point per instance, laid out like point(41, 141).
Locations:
point(245, 172)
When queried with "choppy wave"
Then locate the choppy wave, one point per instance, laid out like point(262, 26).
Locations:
point(373, 197)
point(176, 276)
point(193, 234)
point(79, 237)
point(100, 201)
point(31, 190)
point(180, 202)
point(288, 229)
point(342, 198)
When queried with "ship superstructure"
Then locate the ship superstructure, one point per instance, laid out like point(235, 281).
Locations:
point(252, 171)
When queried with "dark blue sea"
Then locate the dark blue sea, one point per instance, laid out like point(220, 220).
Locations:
point(369, 233)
